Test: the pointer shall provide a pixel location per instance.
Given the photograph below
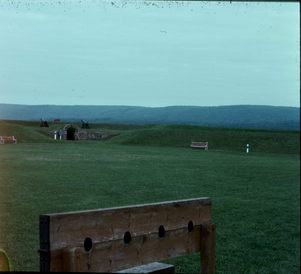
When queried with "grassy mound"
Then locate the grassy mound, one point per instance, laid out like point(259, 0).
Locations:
point(25, 132)
point(218, 138)
point(169, 135)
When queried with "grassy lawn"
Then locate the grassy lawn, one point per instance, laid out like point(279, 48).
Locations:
point(256, 196)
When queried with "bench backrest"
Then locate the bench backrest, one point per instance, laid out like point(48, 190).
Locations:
point(199, 144)
point(108, 240)
point(7, 139)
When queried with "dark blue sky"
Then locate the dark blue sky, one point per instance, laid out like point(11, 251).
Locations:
point(149, 53)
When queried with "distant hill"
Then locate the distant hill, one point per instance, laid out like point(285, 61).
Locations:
point(237, 116)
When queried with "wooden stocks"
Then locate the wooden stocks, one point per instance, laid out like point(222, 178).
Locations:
point(108, 240)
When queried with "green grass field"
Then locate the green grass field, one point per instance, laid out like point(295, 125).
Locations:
point(256, 196)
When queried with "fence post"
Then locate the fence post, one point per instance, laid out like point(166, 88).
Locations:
point(207, 252)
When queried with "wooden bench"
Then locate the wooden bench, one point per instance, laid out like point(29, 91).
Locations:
point(199, 145)
point(116, 239)
point(8, 139)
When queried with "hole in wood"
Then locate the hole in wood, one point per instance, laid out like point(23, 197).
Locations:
point(161, 231)
point(88, 244)
point(127, 237)
point(190, 226)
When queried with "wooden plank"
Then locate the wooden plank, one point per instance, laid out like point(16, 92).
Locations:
point(112, 256)
point(207, 248)
point(44, 243)
point(199, 145)
point(152, 268)
point(68, 231)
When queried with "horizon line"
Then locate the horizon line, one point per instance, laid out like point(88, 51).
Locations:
point(140, 106)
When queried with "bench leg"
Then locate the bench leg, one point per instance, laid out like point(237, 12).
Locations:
point(207, 254)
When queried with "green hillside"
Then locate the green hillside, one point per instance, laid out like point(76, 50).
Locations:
point(218, 138)
point(169, 135)
point(25, 132)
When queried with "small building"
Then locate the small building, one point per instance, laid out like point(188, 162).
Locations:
point(70, 132)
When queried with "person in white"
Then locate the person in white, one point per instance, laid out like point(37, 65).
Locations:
point(61, 133)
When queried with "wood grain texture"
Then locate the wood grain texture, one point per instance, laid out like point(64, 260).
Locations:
point(114, 255)
point(106, 229)
point(207, 248)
